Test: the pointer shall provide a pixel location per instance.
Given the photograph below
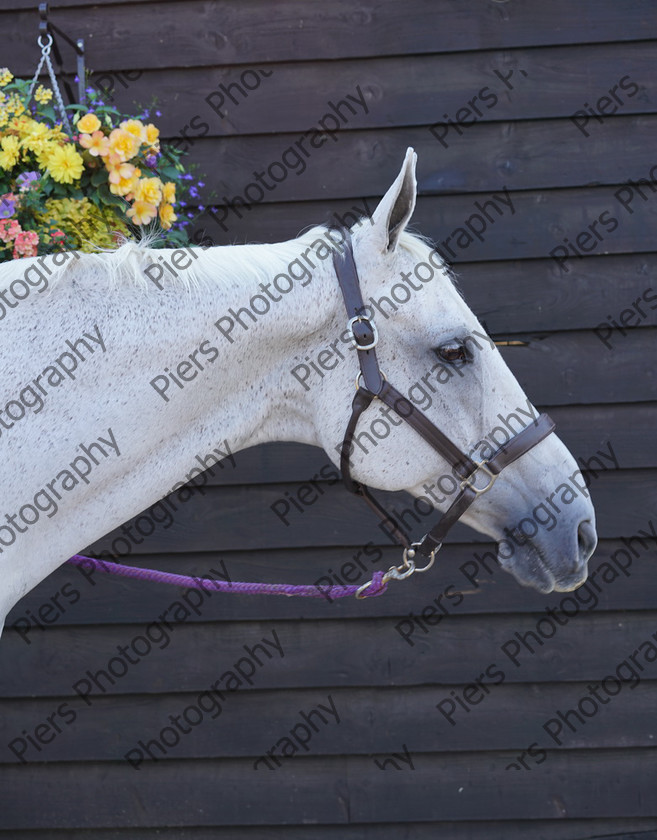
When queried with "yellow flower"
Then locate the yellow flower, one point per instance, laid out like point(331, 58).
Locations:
point(88, 123)
point(169, 192)
point(142, 213)
point(123, 178)
point(123, 144)
point(43, 150)
point(9, 153)
point(167, 216)
point(32, 128)
point(124, 186)
point(5, 76)
point(151, 134)
point(96, 143)
point(149, 190)
point(15, 104)
point(64, 164)
point(134, 127)
point(34, 134)
point(43, 95)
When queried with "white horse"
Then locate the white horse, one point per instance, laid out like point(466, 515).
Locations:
point(118, 368)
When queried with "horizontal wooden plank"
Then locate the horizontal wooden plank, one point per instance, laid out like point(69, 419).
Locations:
point(520, 156)
point(71, 596)
point(593, 291)
point(627, 828)
point(510, 717)
point(580, 784)
point(540, 222)
point(133, 35)
point(398, 90)
point(577, 368)
point(563, 829)
point(318, 654)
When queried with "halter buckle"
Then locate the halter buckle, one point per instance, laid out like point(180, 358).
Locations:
point(354, 340)
point(470, 480)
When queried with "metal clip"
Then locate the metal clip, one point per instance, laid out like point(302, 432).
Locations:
point(404, 571)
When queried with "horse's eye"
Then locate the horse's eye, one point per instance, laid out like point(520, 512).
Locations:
point(452, 352)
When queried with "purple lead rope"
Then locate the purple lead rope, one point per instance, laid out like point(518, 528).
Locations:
point(376, 587)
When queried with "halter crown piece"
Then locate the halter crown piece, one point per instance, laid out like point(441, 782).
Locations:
point(477, 477)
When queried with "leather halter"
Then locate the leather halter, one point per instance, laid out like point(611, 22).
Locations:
point(371, 384)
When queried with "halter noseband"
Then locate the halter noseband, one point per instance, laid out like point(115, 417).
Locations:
point(371, 384)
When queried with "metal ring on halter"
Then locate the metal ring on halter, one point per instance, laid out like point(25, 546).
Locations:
point(45, 46)
point(358, 378)
point(409, 554)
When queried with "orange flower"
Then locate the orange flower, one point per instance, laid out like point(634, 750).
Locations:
point(96, 143)
point(123, 178)
point(142, 212)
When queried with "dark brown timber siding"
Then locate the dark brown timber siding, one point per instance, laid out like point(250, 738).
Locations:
point(394, 767)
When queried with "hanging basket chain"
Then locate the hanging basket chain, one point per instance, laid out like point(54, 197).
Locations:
point(59, 102)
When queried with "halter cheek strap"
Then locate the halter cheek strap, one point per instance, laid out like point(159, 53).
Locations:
point(371, 384)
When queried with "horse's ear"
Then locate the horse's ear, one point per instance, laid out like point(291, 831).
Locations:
point(396, 207)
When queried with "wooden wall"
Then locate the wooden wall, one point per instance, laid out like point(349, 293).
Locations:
point(414, 62)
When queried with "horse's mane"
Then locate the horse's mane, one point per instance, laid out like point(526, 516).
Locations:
point(237, 264)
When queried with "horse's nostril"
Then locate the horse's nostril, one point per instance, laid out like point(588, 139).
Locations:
point(587, 540)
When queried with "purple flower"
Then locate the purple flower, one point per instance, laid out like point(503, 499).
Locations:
point(193, 192)
point(151, 160)
point(201, 184)
point(26, 179)
point(158, 113)
point(7, 206)
point(201, 208)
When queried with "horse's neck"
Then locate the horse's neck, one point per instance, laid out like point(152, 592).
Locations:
point(215, 395)
point(257, 332)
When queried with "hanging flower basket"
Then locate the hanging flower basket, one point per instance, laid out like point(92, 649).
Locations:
point(84, 189)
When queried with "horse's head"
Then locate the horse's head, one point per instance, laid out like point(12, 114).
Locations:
point(435, 352)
